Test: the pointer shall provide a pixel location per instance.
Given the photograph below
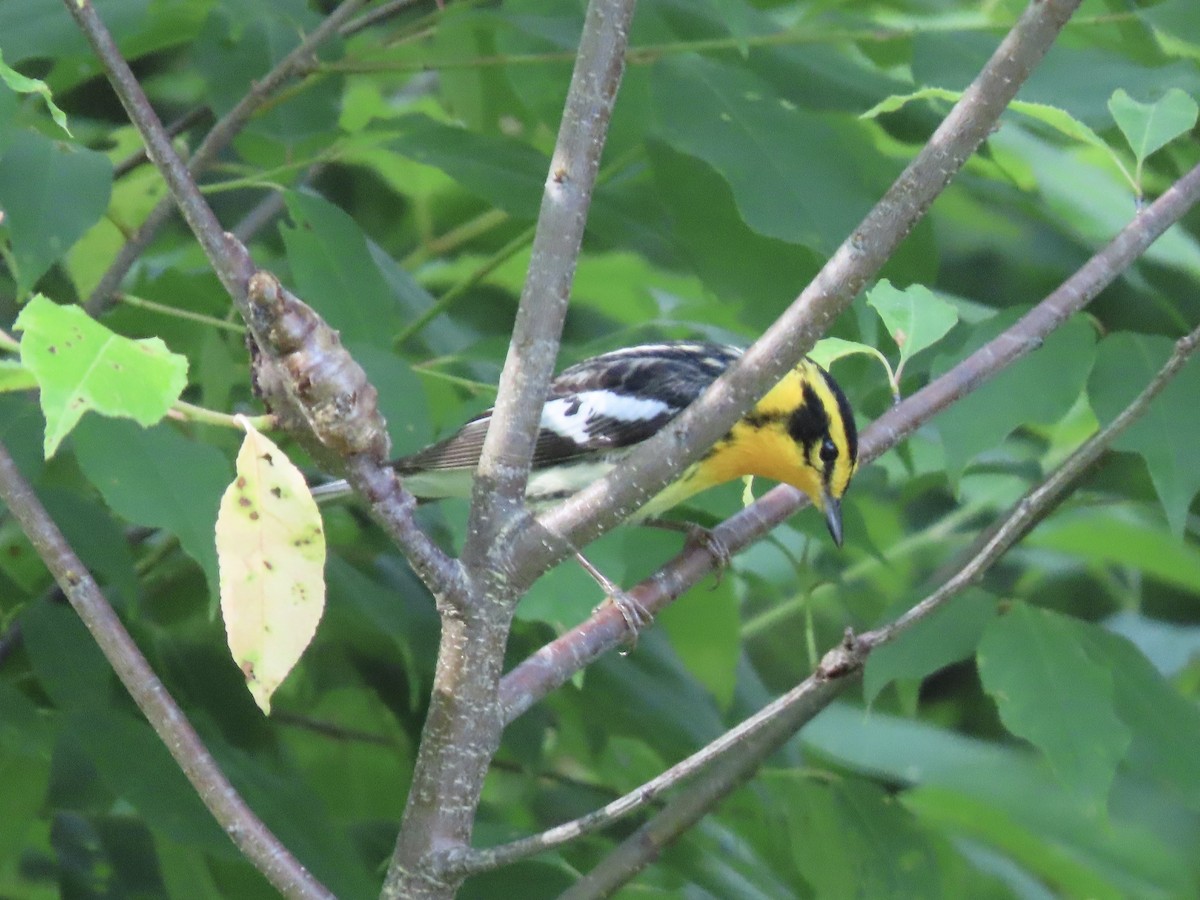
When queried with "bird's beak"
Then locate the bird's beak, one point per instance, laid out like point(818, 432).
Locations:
point(833, 516)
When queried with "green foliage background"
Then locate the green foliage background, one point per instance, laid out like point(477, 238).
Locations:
point(1037, 738)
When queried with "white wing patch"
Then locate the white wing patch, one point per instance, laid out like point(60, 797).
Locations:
point(569, 417)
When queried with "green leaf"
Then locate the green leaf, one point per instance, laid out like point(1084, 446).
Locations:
point(158, 478)
point(1050, 692)
point(705, 630)
point(830, 350)
point(22, 85)
point(851, 839)
point(951, 634)
point(1040, 388)
point(1167, 435)
point(1058, 119)
point(1165, 725)
point(914, 317)
point(331, 262)
point(51, 193)
point(1151, 126)
point(134, 764)
point(1116, 538)
point(505, 172)
point(81, 365)
point(65, 660)
point(733, 260)
point(793, 173)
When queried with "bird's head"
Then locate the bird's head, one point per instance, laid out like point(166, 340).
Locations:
point(807, 428)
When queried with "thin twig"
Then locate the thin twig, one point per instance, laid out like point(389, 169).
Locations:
point(839, 282)
point(226, 128)
point(176, 128)
point(557, 662)
point(763, 734)
point(605, 503)
point(233, 266)
point(244, 828)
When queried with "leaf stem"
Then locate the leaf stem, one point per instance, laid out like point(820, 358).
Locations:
point(190, 413)
point(162, 308)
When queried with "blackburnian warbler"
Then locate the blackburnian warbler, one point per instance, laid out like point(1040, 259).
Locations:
point(801, 432)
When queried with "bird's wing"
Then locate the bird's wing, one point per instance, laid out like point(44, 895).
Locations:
point(607, 403)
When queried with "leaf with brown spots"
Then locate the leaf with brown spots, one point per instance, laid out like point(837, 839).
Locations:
point(80, 365)
point(271, 551)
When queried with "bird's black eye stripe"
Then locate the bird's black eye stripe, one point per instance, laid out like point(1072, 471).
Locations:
point(809, 423)
point(847, 416)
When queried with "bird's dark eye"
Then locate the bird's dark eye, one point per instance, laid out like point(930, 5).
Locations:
point(829, 450)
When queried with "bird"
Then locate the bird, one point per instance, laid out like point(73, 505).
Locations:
point(801, 432)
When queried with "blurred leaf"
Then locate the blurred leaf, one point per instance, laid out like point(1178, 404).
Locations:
point(271, 553)
point(1051, 693)
point(332, 264)
point(508, 174)
point(51, 193)
point(15, 377)
point(1039, 388)
point(159, 478)
point(137, 768)
point(649, 697)
point(1165, 726)
point(852, 839)
point(69, 666)
point(790, 172)
point(80, 365)
point(1151, 126)
point(24, 794)
point(1091, 201)
point(1002, 797)
point(732, 259)
point(97, 538)
point(1167, 435)
point(705, 631)
point(950, 634)
point(1115, 539)
point(914, 317)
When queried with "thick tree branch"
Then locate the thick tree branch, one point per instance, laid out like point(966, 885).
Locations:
point(464, 725)
point(244, 828)
point(555, 663)
point(763, 735)
point(218, 138)
point(532, 352)
point(604, 504)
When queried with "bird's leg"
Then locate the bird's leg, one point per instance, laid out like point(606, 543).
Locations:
point(698, 536)
point(636, 615)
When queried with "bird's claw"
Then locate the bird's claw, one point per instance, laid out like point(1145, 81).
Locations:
point(632, 610)
point(704, 539)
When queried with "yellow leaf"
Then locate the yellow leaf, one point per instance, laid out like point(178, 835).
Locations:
point(271, 551)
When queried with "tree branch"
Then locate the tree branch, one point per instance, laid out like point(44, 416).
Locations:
point(765, 733)
point(533, 349)
point(303, 375)
point(238, 821)
point(555, 663)
point(464, 724)
point(218, 138)
point(599, 507)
